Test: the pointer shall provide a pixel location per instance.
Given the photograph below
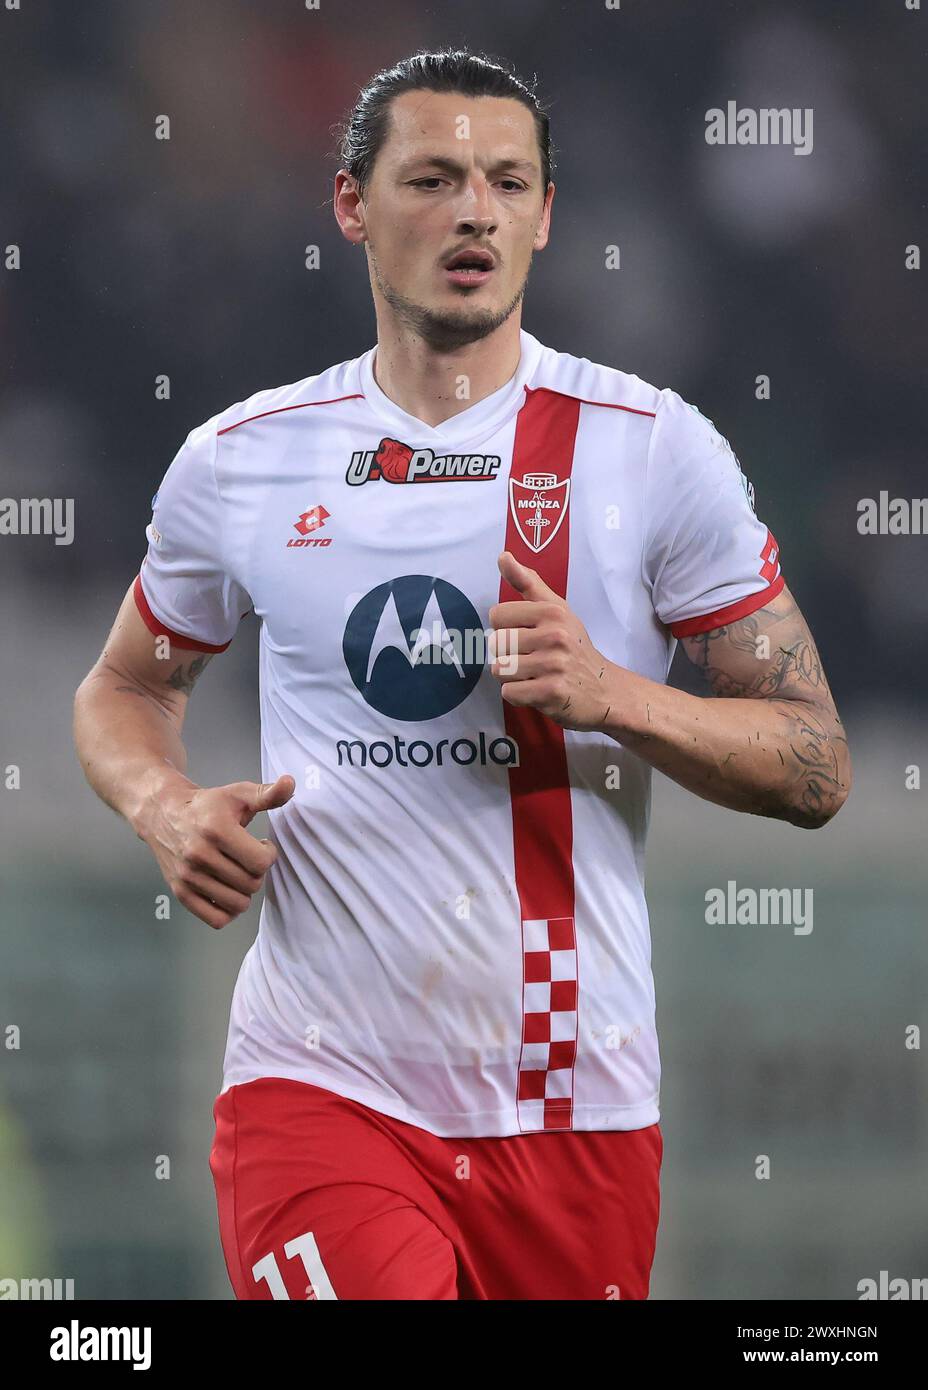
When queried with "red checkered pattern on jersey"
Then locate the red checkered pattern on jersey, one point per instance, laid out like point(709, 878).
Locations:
point(549, 1023)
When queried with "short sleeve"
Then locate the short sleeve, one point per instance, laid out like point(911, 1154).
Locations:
point(708, 559)
point(183, 589)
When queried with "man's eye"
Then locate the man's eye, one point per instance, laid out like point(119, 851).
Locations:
point(434, 179)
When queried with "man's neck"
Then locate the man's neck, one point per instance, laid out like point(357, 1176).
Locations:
point(434, 386)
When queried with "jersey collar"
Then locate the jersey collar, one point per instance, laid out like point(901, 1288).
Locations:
point(468, 427)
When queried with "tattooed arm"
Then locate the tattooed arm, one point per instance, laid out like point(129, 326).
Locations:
point(770, 741)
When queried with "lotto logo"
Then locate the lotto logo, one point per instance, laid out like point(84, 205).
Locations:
point(309, 521)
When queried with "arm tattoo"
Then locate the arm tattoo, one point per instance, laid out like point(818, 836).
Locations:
point(730, 657)
point(184, 677)
point(771, 655)
point(813, 759)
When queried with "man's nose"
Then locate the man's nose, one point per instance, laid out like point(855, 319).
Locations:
point(473, 223)
point(475, 213)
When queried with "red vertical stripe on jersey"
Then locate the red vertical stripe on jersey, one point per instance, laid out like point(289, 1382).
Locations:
point(542, 826)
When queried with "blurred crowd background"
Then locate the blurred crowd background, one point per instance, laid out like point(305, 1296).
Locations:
point(186, 257)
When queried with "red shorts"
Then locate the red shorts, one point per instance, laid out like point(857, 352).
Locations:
point(322, 1197)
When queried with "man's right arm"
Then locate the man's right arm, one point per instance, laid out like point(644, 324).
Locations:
point(128, 719)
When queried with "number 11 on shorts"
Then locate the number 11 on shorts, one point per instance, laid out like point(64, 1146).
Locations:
point(305, 1246)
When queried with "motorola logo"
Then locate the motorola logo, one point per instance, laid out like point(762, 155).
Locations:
point(414, 647)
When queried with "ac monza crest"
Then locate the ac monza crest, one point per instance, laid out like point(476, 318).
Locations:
point(538, 504)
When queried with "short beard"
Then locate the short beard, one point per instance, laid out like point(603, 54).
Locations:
point(443, 330)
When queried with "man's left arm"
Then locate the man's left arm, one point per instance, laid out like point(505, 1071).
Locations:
point(768, 741)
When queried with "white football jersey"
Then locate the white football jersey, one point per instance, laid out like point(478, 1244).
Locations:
point(455, 931)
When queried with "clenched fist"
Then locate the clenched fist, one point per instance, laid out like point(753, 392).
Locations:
point(209, 861)
point(543, 654)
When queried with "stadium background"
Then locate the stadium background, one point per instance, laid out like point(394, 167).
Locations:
point(186, 257)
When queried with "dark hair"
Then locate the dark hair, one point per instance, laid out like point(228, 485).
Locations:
point(448, 70)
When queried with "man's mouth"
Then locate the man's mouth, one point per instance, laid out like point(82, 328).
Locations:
point(469, 267)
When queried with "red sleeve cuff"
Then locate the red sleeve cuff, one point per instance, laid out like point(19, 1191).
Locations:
point(158, 628)
point(707, 621)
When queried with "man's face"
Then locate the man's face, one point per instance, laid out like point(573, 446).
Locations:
point(454, 175)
